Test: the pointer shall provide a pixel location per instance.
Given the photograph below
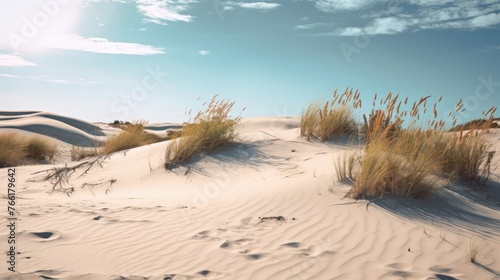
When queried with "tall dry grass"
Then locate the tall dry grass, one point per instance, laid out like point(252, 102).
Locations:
point(345, 167)
point(212, 128)
point(331, 119)
point(404, 160)
point(132, 136)
point(16, 149)
point(402, 165)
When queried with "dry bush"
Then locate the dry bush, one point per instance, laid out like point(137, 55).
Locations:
point(212, 128)
point(16, 150)
point(131, 137)
point(333, 118)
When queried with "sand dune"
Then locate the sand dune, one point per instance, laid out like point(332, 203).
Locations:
point(266, 208)
point(65, 129)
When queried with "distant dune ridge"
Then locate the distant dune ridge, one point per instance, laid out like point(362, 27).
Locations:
point(266, 207)
point(65, 129)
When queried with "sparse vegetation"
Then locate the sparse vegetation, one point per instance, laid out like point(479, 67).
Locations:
point(473, 250)
point(333, 118)
point(79, 153)
point(475, 124)
point(400, 166)
point(345, 167)
point(39, 148)
point(16, 149)
point(119, 124)
point(132, 136)
point(212, 129)
point(404, 161)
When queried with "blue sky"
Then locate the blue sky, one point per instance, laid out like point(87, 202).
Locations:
point(102, 60)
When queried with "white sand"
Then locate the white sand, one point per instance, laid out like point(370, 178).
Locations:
point(202, 221)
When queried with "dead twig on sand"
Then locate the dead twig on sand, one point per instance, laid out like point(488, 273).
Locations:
point(59, 176)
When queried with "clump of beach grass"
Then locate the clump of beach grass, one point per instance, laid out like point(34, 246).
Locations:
point(211, 129)
point(345, 166)
point(332, 118)
point(16, 149)
point(132, 136)
point(406, 160)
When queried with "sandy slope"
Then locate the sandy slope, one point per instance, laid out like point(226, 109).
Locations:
point(208, 220)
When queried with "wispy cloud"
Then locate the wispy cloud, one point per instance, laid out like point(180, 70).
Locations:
point(379, 17)
point(159, 11)
point(203, 52)
point(264, 6)
point(100, 45)
point(310, 26)
point(10, 60)
point(340, 5)
point(51, 79)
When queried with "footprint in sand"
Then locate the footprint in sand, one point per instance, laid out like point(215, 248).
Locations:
point(256, 256)
point(45, 236)
point(292, 245)
point(443, 277)
point(230, 244)
point(401, 269)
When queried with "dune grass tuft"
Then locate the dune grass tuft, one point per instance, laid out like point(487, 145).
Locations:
point(473, 250)
point(132, 136)
point(12, 149)
point(16, 149)
point(212, 128)
point(79, 153)
point(333, 118)
point(404, 160)
point(345, 167)
point(38, 148)
point(402, 166)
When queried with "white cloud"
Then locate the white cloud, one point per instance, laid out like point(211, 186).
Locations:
point(339, 5)
point(260, 5)
point(253, 5)
point(393, 17)
point(158, 11)
point(390, 25)
point(51, 79)
point(100, 45)
point(203, 52)
point(430, 2)
point(485, 20)
point(11, 60)
point(351, 31)
point(312, 25)
point(9, 76)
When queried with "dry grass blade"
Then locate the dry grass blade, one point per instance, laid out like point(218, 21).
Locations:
point(473, 250)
